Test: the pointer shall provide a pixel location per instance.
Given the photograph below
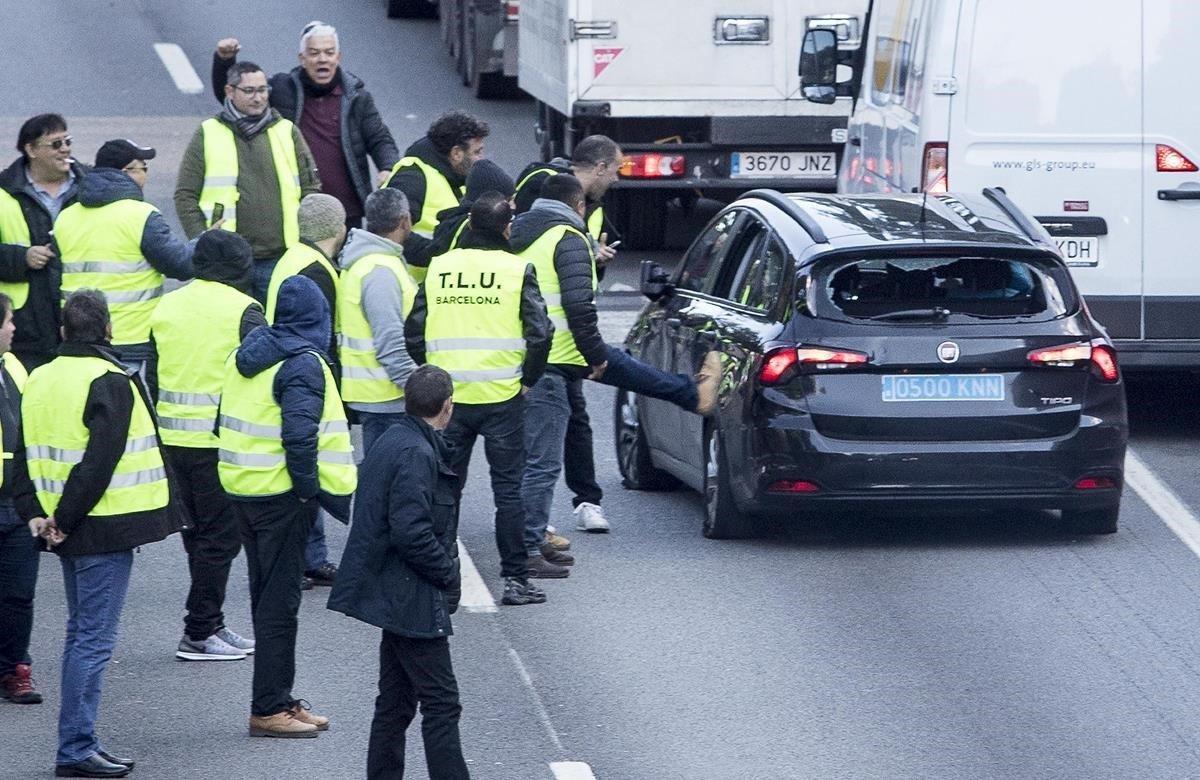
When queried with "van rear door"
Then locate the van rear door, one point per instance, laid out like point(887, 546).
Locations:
point(1170, 158)
point(1048, 105)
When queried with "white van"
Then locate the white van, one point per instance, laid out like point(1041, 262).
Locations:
point(1080, 110)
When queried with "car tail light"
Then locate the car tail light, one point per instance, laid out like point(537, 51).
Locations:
point(1095, 483)
point(779, 364)
point(651, 165)
point(1104, 363)
point(935, 173)
point(822, 358)
point(1063, 356)
point(1168, 159)
point(793, 486)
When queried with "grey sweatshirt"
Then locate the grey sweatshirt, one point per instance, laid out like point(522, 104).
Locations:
point(382, 305)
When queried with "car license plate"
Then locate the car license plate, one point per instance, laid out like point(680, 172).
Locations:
point(943, 387)
point(752, 165)
point(1079, 250)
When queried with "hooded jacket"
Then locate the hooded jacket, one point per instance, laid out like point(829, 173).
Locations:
point(399, 570)
point(361, 122)
point(298, 340)
point(382, 304)
point(573, 264)
point(37, 321)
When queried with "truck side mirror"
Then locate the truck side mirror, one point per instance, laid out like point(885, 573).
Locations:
point(818, 66)
point(655, 282)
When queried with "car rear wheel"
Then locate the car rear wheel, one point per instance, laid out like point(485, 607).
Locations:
point(1091, 521)
point(633, 453)
point(722, 518)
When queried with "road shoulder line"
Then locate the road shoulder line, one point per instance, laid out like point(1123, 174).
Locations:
point(179, 68)
point(475, 594)
point(1163, 501)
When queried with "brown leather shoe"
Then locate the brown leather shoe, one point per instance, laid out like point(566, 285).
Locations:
point(708, 381)
point(302, 710)
point(18, 686)
point(560, 543)
point(282, 724)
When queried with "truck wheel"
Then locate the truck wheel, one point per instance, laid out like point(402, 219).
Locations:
point(643, 218)
point(411, 9)
point(552, 133)
point(1092, 521)
point(722, 518)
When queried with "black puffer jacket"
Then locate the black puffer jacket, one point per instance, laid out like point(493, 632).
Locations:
point(361, 122)
point(573, 264)
point(400, 567)
point(38, 320)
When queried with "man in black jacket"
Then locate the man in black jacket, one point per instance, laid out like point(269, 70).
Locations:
point(400, 572)
point(328, 104)
point(34, 189)
point(454, 227)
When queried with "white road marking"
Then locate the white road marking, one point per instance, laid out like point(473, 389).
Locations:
point(571, 770)
point(475, 594)
point(181, 70)
point(621, 287)
point(542, 714)
point(1160, 498)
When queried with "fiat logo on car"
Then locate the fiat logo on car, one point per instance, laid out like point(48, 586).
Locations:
point(948, 352)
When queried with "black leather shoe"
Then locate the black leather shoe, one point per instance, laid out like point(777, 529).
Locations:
point(323, 575)
point(92, 766)
point(110, 758)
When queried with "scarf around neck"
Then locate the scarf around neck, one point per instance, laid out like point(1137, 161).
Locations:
point(249, 126)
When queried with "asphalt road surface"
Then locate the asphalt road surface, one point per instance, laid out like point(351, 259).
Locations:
point(987, 646)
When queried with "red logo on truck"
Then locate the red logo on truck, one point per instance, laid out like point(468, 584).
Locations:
point(603, 56)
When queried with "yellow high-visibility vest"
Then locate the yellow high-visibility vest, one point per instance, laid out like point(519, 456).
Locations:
point(101, 247)
point(55, 439)
point(221, 174)
point(14, 230)
point(295, 260)
point(191, 369)
point(563, 351)
point(251, 459)
point(364, 379)
point(16, 369)
point(439, 196)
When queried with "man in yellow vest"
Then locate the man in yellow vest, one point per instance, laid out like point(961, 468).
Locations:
point(251, 167)
point(113, 241)
point(551, 235)
point(375, 295)
point(485, 176)
point(284, 451)
point(433, 171)
point(191, 371)
point(33, 190)
point(481, 317)
point(101, 490)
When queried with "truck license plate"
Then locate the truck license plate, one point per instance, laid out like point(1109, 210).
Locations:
point(751, 165)
point(1079, 250)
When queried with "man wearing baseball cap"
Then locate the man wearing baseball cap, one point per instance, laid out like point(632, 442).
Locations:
point(115, 242)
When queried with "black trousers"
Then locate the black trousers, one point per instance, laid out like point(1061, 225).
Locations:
point(211, 543)
point(18, 581)
point(274, 533)
point(502, 427)
point(413, 671)
point(579, 465)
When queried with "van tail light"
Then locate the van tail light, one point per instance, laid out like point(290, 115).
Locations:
point(652, 165)
point(1168, 159)
point(1101, 358)
point(1104, 363)
point(793, 486)
point(935, 169)
point(781, 363)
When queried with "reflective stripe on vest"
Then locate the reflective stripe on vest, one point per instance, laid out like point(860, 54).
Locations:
point(191, 370)
point(101, 247)
point(439, 196)
point(563, 351)
point(221, 174)
point(56, 439)
point(364, 379)
point(251, 457)
point(473, 325)
point(14, 230)
point(295, 260)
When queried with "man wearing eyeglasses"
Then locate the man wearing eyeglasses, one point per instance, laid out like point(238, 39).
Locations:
point(250, 166)
point(33, 189)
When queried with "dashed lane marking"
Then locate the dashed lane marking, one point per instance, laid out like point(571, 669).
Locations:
point(542, 714)
point(1160, 498)
point(571, 770)
point(180, 68)
point(475, 594)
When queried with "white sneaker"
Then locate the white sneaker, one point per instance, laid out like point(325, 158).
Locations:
point(590, 518)
point(212, 649)
point(235, 640)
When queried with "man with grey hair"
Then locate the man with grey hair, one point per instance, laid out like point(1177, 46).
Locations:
point(375, 295)
point(316, 95)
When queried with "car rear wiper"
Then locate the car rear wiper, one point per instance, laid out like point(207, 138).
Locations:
point(936, 313)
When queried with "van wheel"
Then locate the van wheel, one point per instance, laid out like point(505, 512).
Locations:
point(722, 518)
point(1091, 521)
point(638, 472)
point(411, 9)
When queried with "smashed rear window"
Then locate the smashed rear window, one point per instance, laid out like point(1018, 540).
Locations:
point(927, 288)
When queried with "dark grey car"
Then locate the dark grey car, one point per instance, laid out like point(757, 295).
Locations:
point(889, 351)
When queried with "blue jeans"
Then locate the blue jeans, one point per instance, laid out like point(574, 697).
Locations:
point(547, 412)
point(261, 278)
point(374, 424)
point(316, 551)
point(629, 373)
point(95, 587)
point(18, 580)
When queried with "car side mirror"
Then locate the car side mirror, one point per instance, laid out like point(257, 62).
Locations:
point(655, 282)
point(818, 66)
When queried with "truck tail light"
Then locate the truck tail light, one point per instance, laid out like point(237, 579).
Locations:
point(781, 363)
point(935, 173)
point(1168, 159)
point(651, 165)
